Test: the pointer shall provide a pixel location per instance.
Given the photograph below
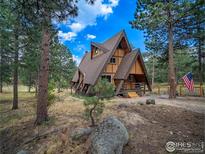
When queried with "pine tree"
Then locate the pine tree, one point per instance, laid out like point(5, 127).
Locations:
point(162, 20)
point(62, 66)
point(40, 13)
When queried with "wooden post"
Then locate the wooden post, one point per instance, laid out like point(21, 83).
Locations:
point(144, 88)
point(200, 90)
point(119, 87)
point(168, 90)
point(180, 90)
point(158, 90)
point(88, 90)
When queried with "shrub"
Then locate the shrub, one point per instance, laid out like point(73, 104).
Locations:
point(104, 89)
point(93, 109)
point(94, 106)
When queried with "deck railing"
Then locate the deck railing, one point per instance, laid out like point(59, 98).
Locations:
point(132, 86)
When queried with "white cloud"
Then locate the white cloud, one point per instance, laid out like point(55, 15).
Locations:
point(66, 36)
point(76, 59)
point(90, 36)
point(114, 3)
point(76, 27)
point(80, 48)
point(87, 16)
point(106, 10)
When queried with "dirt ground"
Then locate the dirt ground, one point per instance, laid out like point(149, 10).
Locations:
point(150, 127)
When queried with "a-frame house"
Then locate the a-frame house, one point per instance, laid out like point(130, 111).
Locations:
point(115, 60)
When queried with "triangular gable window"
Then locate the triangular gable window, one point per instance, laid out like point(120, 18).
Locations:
point(95, 51)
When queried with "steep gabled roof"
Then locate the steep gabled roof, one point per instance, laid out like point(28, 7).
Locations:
point(125, 65)
point(145, 71)
point(110, 43)
point(100, 46)
point(92, 68)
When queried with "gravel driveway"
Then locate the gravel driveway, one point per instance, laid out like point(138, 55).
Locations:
point(195, 104)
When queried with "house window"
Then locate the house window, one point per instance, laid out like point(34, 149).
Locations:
point(108, 77)
point(96, 51)
point(131, 78)
point(112, 60)
point(120, 46)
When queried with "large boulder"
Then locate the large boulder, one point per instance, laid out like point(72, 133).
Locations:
point(22, 152)
point(81, 133)
point(150, 101)
point(109, 137)
point(123, 105)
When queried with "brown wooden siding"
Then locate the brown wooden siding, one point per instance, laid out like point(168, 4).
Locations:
point(137, 68)
point(112, 68)
point(129, 84)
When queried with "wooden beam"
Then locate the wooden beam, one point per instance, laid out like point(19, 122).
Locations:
point(144, 87)
point(79, 85)
point(88, 90)
point(81, 89)
point(119, 87)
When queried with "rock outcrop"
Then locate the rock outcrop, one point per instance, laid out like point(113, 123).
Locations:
point(81, 133)
point(109, 137)
point(150, 101)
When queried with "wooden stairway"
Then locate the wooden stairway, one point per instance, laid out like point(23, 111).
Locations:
point(132, 94)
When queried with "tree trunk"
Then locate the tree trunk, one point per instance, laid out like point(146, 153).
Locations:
point(42, 100)
point(29, 88)
point(153, 74)
point(29, 84)
point(36, 83)
point(200, 62)
point(91, 115)
point(15, 76)
point(1, 78)
point(59, 89)
point(1, 83)
point(36, 88)
point(172, 77)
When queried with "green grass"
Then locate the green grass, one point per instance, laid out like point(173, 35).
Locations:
point(21, 88)
point(80, 96)
point(8, 96)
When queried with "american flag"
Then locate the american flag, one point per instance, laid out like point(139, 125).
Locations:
point(188, 81)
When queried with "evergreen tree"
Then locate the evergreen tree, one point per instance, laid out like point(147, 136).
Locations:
point(13, 44)
point(162, 20)
point(62, 66)
point(196, 27)
point(40, 13)
point(31, 59)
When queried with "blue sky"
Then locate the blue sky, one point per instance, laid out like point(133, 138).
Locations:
point(97, 23)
